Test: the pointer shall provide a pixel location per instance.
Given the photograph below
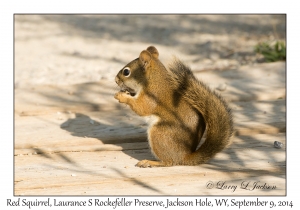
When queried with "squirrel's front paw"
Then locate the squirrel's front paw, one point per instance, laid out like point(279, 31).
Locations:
point(121, 97)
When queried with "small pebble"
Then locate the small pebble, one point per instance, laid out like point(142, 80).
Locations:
point(278, 144)
point(222, 87)
point(73, 174)
point(92, 122)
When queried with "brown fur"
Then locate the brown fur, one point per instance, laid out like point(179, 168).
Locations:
point(182, 106)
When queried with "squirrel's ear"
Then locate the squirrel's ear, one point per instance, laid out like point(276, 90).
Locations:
point(145, 58)
point(153, 51)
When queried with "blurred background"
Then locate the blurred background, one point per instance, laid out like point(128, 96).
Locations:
point(73, 49)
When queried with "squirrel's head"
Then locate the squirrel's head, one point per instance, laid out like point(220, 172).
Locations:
point(135, 74)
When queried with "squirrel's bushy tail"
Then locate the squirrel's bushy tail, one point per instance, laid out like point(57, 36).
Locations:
point(216, 113)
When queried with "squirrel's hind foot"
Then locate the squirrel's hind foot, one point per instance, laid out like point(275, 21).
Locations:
point(150, 163)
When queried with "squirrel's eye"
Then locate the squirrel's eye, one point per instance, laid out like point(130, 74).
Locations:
point(126, 72)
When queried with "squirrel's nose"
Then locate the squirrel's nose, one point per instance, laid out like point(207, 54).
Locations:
point(117, 79)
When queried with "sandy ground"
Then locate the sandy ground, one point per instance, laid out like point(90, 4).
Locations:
point(72, 49)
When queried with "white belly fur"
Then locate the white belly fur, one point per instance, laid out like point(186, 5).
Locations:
point(151, 120)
